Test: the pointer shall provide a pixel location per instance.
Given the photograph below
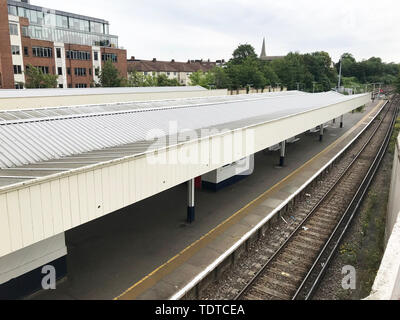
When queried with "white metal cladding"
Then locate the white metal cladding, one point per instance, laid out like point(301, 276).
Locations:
point(12, 116)
point(42, 98)
point(34, 141)
point(29, 93)
point(40, 208)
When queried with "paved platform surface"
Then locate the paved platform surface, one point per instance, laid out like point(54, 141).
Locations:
point(119, 251)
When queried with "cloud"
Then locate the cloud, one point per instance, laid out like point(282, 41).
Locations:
point(213, 29)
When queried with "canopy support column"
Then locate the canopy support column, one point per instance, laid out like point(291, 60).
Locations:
point(190, 208)
point(321, 132)
point(282, 158)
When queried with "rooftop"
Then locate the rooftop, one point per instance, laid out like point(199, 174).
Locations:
point(30, 93)
point(169, 66)
point(58, 140)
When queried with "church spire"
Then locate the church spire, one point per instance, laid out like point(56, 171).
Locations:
point(263, 55)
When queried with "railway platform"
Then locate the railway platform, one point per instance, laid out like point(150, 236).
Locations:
point(113, 257)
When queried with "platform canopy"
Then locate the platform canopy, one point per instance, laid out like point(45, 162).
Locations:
point(62, 167)
point(41, 98)
point(99, 132)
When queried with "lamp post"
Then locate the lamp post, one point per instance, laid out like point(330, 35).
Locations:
point(340, 73)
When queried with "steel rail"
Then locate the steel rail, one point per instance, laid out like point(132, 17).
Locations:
point(312, 211)
point(349, 214)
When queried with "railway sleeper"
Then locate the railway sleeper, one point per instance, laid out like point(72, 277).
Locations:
point(289, 267)
point(320, 225)
point(301, 254)
point(286, 275)
point(280, 286)
point(304, 245)
point(290, 259)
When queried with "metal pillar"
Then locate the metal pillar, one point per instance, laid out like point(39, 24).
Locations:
point(321, 132)
point(341, 121)
point(282, 158)
point(190, 208)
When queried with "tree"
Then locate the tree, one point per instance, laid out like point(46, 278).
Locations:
point(243, 52)
point(164, 81)
point(270, 76)
point(292, 70)
point(35, 78)
point(222, 80)
point(136, 79)
point(110, 76)
point(204, 79)
point(397, 84)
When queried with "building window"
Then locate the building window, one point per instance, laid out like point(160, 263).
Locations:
point(13, 29)
point(44, 69)
point(81, 85)
point(58, 52)
point(15, 50)
point(97, 71)
point(80, 72)
point(17, 69)
point(61, 86)
point(12, 10)
point(25, 31)
point(59, 71)
point(42, 52)
point(26, 51)
point(78, 55)
point(19, 85)
point(69, 71)
point(109, 56)
point(90, 71)
point(96, 55)
point(69, 85)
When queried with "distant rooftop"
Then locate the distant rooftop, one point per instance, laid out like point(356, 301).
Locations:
point(170, 66)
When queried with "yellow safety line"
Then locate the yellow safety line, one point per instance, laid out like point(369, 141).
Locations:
point(135, 291)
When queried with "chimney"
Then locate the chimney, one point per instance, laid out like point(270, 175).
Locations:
point(132, 57)
point(173, 60)
point(154, 59)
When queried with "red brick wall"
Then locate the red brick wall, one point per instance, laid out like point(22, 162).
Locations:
point(6, 65)
point(38, 61)
point(72, 79)
point(122, 64)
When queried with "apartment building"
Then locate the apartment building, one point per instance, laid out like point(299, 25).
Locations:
point(172, 69)
point(69, 45)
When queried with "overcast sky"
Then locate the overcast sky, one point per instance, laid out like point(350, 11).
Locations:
point(183, 29)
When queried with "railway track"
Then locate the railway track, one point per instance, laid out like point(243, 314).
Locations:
point(297, 266)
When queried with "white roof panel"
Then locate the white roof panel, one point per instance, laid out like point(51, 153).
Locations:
point(29, 93)
point(98, 134)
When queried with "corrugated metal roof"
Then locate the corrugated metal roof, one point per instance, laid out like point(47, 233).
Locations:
point(42, 147)
point(29, 93)
point(13, 116)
